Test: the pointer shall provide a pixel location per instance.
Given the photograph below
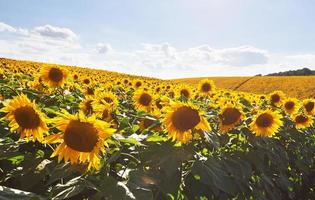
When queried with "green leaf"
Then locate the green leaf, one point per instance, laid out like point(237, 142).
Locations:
point(16, 160)
point(156, 137)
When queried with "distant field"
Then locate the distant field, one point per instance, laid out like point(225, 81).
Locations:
point(294, 86)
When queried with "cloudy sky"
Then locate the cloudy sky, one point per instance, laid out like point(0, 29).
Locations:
point(162, 38)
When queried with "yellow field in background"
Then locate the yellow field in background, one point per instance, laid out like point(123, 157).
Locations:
point(294, 86)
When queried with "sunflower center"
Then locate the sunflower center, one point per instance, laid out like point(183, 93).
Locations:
point(86, 81)
point(145, 99)
point(301, 119)
point(26, 117)
point(289, 105)
point(55, 74)
point(264, 120)
point(230, 116)
point(184, 93)
point(105, 114)
point(88, 106)
point(108, 99)
point(275, 98)
point(138, 84)
point(206, 87)
point(90, 91)
point(185, 118)
point(309, 106)
point(158, 104)
point(80, 136)
point(171, 94)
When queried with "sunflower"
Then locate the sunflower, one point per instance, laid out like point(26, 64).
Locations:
point(88, 91)
point(54, 76)
point(36, 84)
point(230, 117)
point(171, 94)
point(87, 81)
point(82, 139)
point(137, 84)
point(25, 117)
point(157, 106)
point(276, 98)
point(75, 77)
point(309, 106)
point(106, 98)
point(1, 72)
point(291, 106)
point(86, 105)
point(126, 81)
point(206, 86)
point(104, 112)
point(266, 123)
point(143, 100)
point(185, 92)
point(181, 119)
point(302, 121)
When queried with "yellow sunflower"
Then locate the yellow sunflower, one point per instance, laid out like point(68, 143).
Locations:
point(181, 119)
point(266, 123)
point(309, 106)
point(206, 87)
point(82, 139)
point(54, 76)
point(105, 98)
point(171, 94)
point(137, 84)
point(276, 98)
point(25, 117)
point(86, 105)
point(185, 92)
point(87, 81)
point(291, 106)
point(75, 77)
point(126, 81)
point(104, 112)
point(1, 73)
point(143, 100)
point(230, 116)
point(157, 106)
point(302, 121)
point(88, 91)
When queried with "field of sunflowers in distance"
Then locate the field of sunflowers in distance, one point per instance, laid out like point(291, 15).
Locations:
point(78, 133)
point(294, 86)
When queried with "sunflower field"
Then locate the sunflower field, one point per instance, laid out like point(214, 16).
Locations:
point(78, 133)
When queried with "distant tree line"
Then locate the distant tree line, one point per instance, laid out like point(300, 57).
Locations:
point(298, 72)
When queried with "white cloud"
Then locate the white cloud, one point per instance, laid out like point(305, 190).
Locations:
point(104, 48)
point(61, 45)
point(164, 49)
point(6, 28)
point(243, 56)
point(55, 32)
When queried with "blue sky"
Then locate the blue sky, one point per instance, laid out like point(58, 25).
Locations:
point(163, 38)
